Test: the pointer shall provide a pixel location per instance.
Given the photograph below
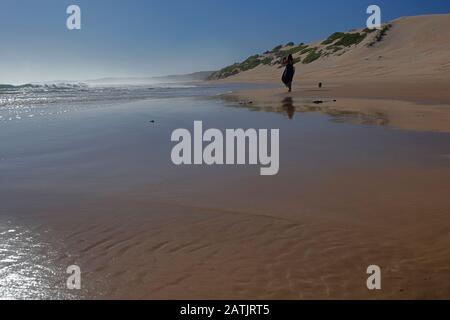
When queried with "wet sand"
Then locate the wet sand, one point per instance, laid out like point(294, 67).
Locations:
point(414, 104)
point(96, 188)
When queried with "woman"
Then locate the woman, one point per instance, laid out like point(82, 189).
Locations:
point(289, 71)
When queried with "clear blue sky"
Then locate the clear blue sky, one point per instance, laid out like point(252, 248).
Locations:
point(157, 37)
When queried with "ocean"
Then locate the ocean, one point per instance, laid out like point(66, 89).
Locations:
point(34, 100)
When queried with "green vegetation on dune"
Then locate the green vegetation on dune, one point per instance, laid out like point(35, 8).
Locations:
point(267, 60)
point(251, 63)
point(335, 36)
point(345, 39)
point(350, 39)
point(307, 50)
point(334, 48)
point(312, 56)
point(225, 72)
point(367, 30)
point(383, 32)
point(335, 44)
point(380, 35)
point(293, 50)
point(297, 60)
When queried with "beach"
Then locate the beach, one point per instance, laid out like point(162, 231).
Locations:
point(95, 187)
point(87, 177)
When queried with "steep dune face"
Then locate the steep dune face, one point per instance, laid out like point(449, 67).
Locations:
point(415, 46)
point(412, 48)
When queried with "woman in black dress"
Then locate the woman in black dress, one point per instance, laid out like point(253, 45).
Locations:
point(289, 71)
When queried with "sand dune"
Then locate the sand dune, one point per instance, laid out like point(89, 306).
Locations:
point(413, 47)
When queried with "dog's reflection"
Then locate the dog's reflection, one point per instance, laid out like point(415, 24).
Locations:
point(288, 107)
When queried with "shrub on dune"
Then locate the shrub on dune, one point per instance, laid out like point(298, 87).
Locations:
point(335, 36)
point(312, 56)
point(350, 39)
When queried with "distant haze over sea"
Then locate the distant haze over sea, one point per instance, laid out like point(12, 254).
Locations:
point(191, 77)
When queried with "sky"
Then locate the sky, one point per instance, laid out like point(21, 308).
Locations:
point(139, 38)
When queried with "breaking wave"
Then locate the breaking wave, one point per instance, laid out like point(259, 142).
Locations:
point(30, 100)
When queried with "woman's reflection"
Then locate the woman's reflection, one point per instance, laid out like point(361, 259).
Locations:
point(288, 107)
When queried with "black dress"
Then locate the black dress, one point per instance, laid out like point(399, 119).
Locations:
point(288, 74)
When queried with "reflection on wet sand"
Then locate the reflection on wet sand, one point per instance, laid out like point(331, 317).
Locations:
point(289, 107)
point(27, 266)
